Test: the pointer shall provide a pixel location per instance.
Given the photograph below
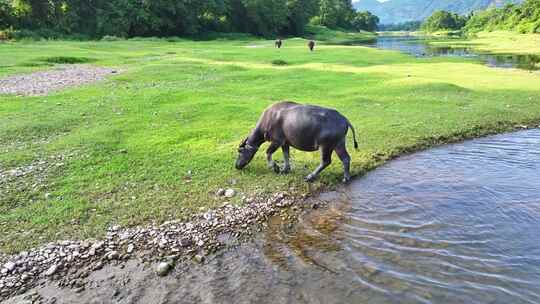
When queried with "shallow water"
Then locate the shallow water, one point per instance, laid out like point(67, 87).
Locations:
point(418, 47)
point(455, 224)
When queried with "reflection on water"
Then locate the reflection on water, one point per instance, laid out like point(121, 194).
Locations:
point(418, 47)
point(456, 224)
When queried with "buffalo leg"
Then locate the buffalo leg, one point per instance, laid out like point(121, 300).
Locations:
point(326, 160)
point(341, 151)
point(286, 157)
point(271, 163)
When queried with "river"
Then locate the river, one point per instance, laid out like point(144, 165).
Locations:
point(419, 47)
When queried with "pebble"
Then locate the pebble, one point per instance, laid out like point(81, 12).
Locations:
point(220, 192)
point(10, 266)
point(185, 242)
point(229, 193)
point(113, 255)
point(79, 289)
point(52, 270)
point(199, 258)
point(163, 268)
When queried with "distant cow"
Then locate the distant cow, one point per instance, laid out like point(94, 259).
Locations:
point(279, 43)
point(304, 127)
point(311, 45)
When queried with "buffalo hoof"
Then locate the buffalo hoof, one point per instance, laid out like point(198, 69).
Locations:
point(310, 178)
point(276, 168)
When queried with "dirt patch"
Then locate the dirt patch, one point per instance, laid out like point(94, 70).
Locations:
point(44, 82)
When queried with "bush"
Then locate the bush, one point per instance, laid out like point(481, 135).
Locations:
point(279, 62)
point(315, 21)
point(41, 34)
point(67, 60)
point(25, 35)
point(173, 39)
point(5, 35)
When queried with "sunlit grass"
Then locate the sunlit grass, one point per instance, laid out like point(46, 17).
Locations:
point(155, 141)
point(501, 42)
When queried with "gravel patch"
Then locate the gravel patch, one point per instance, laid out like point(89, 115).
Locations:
point(202, 235)
point(44, 82)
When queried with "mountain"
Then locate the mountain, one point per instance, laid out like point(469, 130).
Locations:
point(397, 11)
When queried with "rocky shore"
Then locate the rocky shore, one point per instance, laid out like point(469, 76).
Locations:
point(68, 262)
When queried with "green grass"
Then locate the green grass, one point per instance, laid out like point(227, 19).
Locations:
point(184, 106)
point(500, 42)
point(330, 36)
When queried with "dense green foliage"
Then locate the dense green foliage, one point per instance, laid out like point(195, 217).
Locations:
point(524, 18)
point(365, 21)
point(443, 20)
point(404, 26)
point(6, 18)
point(124, 18)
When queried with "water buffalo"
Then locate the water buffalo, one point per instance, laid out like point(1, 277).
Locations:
point(304, 127)
point(311, 45)
point(279, 43)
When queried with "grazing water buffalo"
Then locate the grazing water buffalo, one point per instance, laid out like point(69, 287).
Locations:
point(279, 43)
point(311, 45)
point(304, 127)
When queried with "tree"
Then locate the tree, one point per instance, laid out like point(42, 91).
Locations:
point(443, 20)
point(300, 12)
point(336, 13)
point(6, 14)
point(266, 17)
point(365, 21)
point(128, 18)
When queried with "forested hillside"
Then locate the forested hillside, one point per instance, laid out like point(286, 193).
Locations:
point(398, 11)
point(175, 18)
point(523, 18)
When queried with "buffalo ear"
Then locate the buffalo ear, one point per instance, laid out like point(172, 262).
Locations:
point(244, 142)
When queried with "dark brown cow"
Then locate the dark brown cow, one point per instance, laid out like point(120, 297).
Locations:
point(279, 43)
point(311, 45)
point(304, 127)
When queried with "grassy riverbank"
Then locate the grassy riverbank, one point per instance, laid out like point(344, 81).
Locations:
point(500, 42)
point(155, 141)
